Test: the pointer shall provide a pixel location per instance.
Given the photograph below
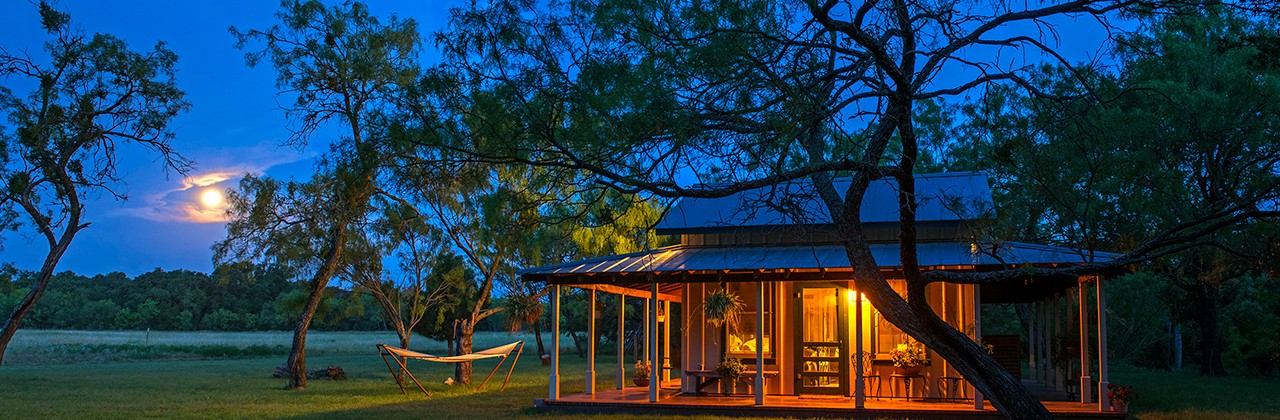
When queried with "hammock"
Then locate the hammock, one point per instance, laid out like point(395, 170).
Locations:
point(402, 357)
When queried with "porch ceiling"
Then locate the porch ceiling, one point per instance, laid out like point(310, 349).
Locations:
point(666, 291)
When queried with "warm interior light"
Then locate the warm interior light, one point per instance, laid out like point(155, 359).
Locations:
point(211, 197)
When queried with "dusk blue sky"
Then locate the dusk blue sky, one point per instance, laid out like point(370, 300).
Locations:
point(234, 125)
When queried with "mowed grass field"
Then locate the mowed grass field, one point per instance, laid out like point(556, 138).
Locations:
point(105, 375)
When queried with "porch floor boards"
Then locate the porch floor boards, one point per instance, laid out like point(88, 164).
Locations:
point(671, 401)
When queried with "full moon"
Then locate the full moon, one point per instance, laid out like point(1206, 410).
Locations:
point(211, 197)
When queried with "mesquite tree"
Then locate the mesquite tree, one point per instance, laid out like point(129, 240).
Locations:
point(93, 96)
point(419, 283)
point(1182, 130)
point(338, 64)
point(710, 98)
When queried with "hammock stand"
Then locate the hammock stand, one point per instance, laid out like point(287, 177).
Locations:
point(402, 356)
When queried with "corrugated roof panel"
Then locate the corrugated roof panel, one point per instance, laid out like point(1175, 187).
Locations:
point(947, 196)
point(750, 258)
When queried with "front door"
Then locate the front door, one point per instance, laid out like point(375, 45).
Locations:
point(821, 364)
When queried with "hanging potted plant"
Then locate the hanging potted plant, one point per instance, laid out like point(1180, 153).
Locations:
point(640, 375)
point(730, 370)
point(721, 308)
point(908, 358)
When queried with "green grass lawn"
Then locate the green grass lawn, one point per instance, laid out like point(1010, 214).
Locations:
point(241, 385)
point(1187, 395)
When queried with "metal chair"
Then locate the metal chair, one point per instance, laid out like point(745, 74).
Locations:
point(868, 373)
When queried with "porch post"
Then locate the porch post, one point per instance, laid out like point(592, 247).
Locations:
point(1042, 367)
point(859, 385)
point(1069, 309)
point(591, 344)
point(946, 312)
point(1103, 403)
point(645, 336)
point(702, 328)
point(666, 340)
point(555, 343)
point(1086, 383)
point(760, 343)
point(1047, 339)
point(622, 341)
point(651, 315)
point(1041, 364)
point(1059, 329)
point(686, 358)
point(1032, 341)
point(977, 334)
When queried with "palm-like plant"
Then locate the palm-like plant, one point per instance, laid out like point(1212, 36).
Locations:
point(524, 307)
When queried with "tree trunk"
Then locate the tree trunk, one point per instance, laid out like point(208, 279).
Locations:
point(462, 371)
point(636, 345)
point(1210, 333)
point(453, 338)
point(29, 301)
point(916, 318)
point(1024, 315)
point(577, 344)
point(46, 275)
point(963, 354)
point(404, 336)
point(537, 335)
point(1177, 347)
point(297, 361)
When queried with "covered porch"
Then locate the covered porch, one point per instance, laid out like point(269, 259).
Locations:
point(681, 275)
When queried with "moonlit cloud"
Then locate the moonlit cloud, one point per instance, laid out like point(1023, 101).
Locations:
point(200, 197)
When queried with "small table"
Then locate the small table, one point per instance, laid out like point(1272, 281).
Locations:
point(906, 381)
point(953, 385)
point(706, 378)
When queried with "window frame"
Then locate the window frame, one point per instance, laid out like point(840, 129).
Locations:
point(770, 322)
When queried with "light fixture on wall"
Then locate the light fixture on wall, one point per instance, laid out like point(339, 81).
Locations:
point(850, 295)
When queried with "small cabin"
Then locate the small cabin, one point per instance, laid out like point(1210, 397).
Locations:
point(804, 329)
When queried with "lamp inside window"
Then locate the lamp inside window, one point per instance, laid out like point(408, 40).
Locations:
point(741, 342)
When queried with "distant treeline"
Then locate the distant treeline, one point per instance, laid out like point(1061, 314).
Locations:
point(236, 297)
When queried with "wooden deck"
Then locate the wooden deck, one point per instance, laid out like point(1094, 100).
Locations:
point(671, 402)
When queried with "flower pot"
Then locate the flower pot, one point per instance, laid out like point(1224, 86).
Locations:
point(907, 370)
point(1120, 407)
point(640, 382)
point(728, 386)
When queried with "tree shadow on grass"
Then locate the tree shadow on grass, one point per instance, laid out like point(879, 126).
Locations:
point(516, 401)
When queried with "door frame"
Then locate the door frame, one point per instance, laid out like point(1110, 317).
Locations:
point(842, 338)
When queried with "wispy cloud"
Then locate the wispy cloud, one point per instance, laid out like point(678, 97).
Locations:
point(198, 198)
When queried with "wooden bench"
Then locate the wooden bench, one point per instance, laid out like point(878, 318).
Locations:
point(705, 378)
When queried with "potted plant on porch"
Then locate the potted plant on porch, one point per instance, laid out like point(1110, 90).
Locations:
point(640, 375)
point(1120, 396)
point(908, 358)
point(730, 370)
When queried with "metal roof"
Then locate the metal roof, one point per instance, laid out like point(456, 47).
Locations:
point(683, 258)
point(950, 196)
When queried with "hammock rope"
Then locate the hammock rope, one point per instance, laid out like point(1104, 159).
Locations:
point(402, 357)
